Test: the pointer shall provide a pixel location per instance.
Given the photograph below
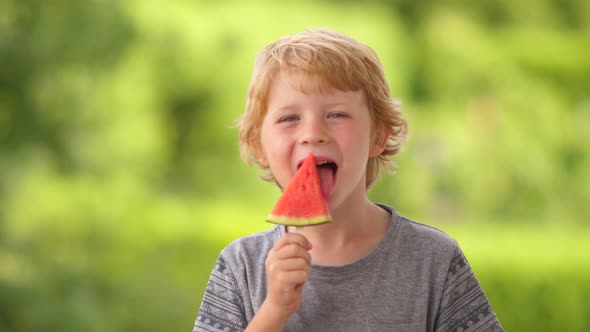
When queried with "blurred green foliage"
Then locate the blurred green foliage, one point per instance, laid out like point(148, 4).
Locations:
point(120, 178)
point(535, 278)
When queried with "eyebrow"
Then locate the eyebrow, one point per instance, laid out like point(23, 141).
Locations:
point(295, 107)
point(286, 108)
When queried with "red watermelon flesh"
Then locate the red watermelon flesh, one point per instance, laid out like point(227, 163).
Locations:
point(302, 202)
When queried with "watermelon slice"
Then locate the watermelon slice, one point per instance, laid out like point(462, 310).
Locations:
point(302, 202)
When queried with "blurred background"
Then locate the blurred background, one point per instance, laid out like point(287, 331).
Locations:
point(120, 177)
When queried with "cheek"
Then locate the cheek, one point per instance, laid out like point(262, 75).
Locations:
point(273, 148)
point(265, 136)
point(359, 136)
point(269, 145)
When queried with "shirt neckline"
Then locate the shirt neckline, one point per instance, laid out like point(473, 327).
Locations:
point(318, 271)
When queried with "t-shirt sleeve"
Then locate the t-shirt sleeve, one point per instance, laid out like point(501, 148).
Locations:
point(222, 308)
point(464, 306)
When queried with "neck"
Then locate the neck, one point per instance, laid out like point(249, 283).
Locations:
point(355, 231)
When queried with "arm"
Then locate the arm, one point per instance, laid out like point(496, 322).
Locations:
point(464, 305)
point(222, 308)
point(287, 267)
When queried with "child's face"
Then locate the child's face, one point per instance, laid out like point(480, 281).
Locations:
point(335, 126)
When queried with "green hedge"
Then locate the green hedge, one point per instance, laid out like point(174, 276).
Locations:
point(117, 258)
point(539, 300)
point(537, 278)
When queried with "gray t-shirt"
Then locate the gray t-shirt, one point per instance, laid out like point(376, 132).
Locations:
point(415, 279)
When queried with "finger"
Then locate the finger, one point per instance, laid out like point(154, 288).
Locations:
point(293, 238)
point(292, 278)
point(293, 264)
point(287, 253)
point(292, 251)
point(299, 288)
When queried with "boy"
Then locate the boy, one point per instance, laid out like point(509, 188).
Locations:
point(371, 269)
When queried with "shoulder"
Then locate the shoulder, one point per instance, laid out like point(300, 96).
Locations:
point(255, 241)
point(425, 233)
point(252, 248)
point(422, 239)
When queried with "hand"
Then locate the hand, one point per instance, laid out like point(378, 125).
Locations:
point(287, 269)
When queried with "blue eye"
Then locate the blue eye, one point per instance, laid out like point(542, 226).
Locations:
point(289, 118)
point(337, 115)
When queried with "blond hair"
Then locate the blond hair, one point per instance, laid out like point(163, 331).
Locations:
point(340, 62)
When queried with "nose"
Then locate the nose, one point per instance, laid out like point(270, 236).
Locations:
point(313, 131)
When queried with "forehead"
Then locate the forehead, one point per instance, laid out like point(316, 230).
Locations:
point(293, 89)
point(300, 82)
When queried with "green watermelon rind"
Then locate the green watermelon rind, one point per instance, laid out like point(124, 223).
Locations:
point(294, 221)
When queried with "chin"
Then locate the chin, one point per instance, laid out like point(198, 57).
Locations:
point(333, 202)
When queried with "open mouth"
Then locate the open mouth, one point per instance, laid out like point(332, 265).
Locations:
point(327, 171)
point(326, 164)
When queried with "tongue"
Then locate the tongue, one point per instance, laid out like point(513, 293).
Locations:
point(326, 180)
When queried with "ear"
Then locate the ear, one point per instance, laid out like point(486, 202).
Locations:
point(260, 156)
point(262, 161)
point(379, 142)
